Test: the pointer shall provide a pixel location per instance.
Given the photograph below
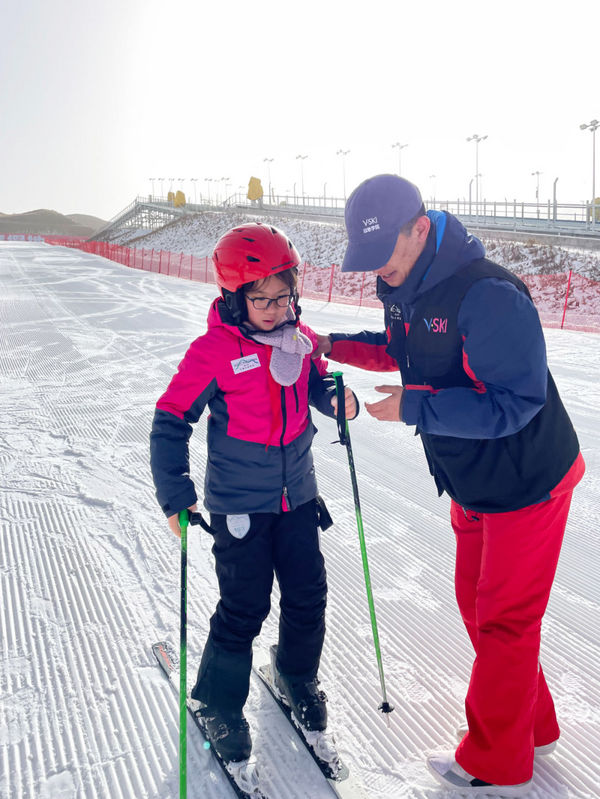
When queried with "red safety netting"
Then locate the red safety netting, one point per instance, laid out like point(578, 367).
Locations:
point(563, 300)
point(577, 310)
point(176, 264)
point(64, 241)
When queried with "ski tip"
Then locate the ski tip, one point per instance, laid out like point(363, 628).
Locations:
point(164, 653)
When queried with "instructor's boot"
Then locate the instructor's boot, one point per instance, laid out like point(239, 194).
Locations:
point(538, 751)
point(302, 694)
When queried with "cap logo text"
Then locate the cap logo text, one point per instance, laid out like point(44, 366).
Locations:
point(370, 224)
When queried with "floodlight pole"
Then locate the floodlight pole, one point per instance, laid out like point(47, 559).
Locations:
point(476, 139)
point(593, 127)
point(400, 148)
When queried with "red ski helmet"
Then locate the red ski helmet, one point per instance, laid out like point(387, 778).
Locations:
point(251, 252)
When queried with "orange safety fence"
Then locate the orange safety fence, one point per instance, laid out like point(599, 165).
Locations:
point(563, 300)
point(164, 262)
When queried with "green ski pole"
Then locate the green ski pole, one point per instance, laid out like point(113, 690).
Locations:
point(184, 520)
point(344, 434)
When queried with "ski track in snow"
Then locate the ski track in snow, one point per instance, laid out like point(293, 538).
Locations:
point(89, 573)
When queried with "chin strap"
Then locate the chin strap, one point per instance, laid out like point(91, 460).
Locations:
point(236, 305)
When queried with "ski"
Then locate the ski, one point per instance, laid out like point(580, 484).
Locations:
point(320, 745)
point(243, 777)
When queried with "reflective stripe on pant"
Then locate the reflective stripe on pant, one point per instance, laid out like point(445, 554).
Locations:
point(505, 566)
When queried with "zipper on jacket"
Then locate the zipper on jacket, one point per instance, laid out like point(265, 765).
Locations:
point(296, 397)
point(285, 503)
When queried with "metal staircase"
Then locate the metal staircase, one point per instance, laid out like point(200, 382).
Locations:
point(144, 214)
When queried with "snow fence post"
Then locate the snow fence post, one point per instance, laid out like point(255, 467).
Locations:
point(331, 282)
point(566, 299)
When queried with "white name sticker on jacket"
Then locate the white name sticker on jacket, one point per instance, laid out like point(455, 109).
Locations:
point(238, 524)
point(245, 363)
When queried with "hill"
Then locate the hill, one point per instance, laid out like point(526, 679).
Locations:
point(44, 221)
point(87, 220)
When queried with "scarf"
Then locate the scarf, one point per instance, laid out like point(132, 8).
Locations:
point(289, 347)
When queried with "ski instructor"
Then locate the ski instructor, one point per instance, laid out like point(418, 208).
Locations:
point(466, 338)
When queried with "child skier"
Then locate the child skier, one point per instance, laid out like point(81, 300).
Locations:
point(253, 369)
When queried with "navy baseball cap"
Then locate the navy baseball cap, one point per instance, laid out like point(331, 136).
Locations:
point(376, 212)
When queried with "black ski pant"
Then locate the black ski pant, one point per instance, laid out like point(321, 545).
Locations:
point(286, 544)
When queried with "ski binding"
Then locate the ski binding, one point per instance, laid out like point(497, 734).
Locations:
point(243, 776)
point(320, 744)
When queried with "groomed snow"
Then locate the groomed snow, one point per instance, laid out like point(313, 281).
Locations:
point(89, 573)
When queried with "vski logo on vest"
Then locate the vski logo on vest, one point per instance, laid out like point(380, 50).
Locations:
point(436, 325)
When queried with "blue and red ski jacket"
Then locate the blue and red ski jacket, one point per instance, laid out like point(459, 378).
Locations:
point(468, 342)
point(259, 436)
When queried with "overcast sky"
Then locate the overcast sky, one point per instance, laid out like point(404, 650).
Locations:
point(97, 97)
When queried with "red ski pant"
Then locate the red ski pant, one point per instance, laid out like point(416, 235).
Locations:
point(505, 566)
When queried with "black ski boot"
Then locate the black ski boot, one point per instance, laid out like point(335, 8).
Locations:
point(228, 733)
point(221, 691)
point(303, 696)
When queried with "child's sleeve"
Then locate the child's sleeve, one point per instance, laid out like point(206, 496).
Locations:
point(182, 404)
point(321, 387)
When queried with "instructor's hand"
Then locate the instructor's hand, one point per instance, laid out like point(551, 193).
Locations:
point(323, 346)
point(173, 522)
point(388, 409)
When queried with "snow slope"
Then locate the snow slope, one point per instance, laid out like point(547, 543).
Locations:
point(89, 573)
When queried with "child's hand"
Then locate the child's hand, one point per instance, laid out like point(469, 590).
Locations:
point(350, 402)
point(173, 522)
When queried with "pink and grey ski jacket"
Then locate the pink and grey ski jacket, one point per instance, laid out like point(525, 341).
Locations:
point(259, 433)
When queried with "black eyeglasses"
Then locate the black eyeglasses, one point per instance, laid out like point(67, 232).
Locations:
point(262, 303)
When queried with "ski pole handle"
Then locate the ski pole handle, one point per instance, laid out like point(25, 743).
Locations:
point(184, 520)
